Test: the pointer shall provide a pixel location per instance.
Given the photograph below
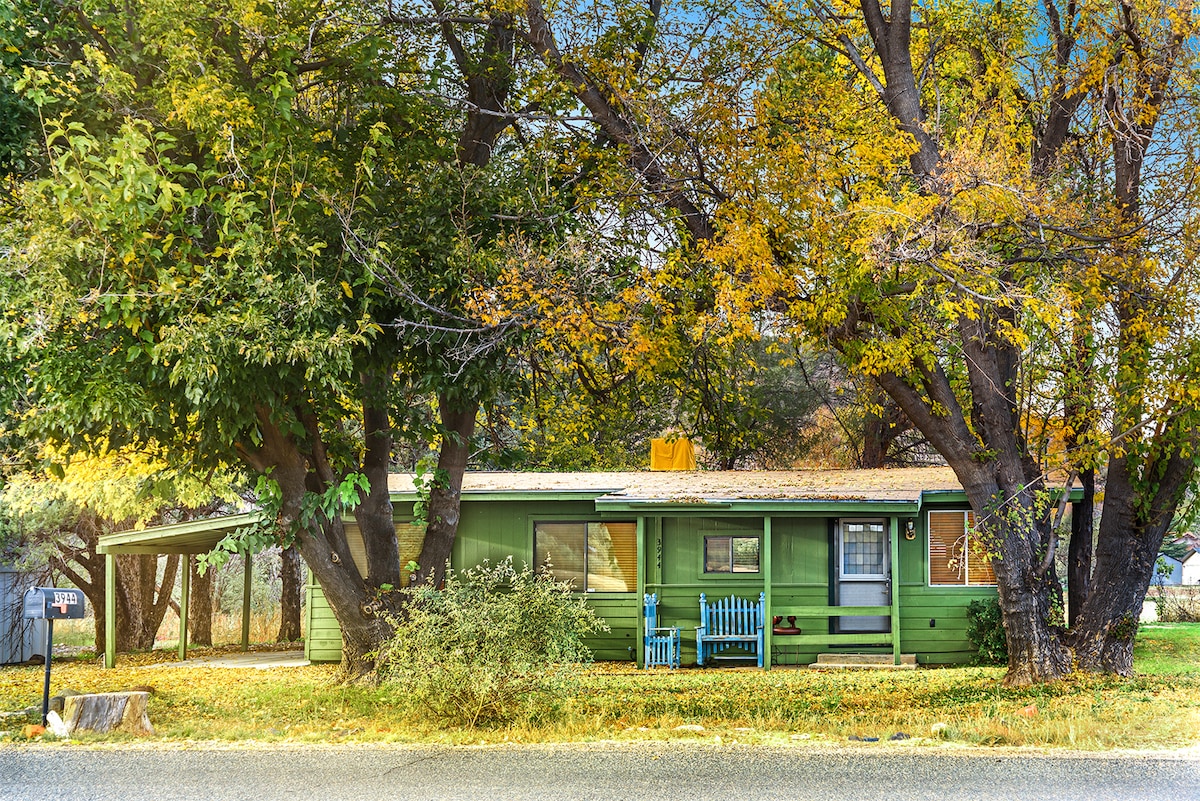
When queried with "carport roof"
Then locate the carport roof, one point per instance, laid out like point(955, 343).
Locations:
point(194, 536)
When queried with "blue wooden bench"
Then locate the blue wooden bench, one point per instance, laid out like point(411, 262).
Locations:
point(730, 622)
point(661, 642)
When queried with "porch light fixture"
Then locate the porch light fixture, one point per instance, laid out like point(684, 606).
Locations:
point(910, 529)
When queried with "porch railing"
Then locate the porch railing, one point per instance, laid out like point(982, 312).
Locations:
point(891, 638)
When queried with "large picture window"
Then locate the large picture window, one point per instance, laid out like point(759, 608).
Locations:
point(593, 557)
point(731, 554)
point(956, 556)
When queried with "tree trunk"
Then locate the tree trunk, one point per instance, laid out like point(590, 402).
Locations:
point(106, 712)
point(200, 607)
point(142, 601)
point(883, 422)
point(1132, 527)
point(360, 611)
point(1079, 552)
point(1008, 524)
point(289, 602)
point(445, 499)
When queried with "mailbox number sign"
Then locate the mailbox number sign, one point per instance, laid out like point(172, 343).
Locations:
point(62, 600)
point(51, 603)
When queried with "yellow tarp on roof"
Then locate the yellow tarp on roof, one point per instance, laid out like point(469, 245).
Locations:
point(676, 454)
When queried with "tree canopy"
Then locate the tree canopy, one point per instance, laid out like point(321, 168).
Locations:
point(293, 236)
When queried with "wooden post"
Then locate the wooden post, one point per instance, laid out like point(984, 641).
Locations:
point(246, 603)
point(185, 589)
point(110, 610)
point(639, 656)
point(768, 625)
point(894, 600)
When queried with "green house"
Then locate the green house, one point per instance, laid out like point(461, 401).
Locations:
point(865, 561)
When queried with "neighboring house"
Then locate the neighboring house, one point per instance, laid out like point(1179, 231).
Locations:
point(895, 544)
point(1191, 569)
point(1168, 571)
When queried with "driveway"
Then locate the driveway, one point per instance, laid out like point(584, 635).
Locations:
point(603, 772)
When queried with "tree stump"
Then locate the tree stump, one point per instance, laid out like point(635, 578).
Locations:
point(105, 712)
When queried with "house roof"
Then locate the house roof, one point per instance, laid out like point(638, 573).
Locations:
point(900, 485)
point(901, 490)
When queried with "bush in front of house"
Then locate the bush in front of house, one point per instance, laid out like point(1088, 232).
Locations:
point(494, 645)
point(985, 628)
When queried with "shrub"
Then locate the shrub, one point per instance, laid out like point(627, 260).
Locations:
point(493, 645)
point(985, 628)
point(1176, 604)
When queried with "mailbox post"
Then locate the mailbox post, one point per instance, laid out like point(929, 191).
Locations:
point(51, 604)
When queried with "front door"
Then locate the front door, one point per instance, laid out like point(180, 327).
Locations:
point(864, 575)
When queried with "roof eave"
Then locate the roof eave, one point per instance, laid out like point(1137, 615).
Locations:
point(759, 505)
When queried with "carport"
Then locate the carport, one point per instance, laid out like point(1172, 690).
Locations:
point(187, 539)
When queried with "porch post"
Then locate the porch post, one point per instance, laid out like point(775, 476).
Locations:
point(110, 610)
point(185, 590)
point(246, 601)
point(638, 650)
point(768, 626)
point(894, 540)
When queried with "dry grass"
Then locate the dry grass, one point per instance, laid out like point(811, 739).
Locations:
point(226, 630)
point(1158, 709)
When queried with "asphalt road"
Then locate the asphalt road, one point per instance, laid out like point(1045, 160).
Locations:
point(646, 772)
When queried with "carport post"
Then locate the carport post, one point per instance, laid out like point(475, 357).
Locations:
point(246, 603)
point(185, 589)
point(110, 610)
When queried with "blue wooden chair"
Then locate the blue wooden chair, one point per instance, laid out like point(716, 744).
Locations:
point(661, 642)
point(730, 622)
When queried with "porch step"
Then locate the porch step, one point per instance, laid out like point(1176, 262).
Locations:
point(864, 662)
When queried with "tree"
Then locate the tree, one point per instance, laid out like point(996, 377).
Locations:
point(266, 255)
point(951, 282)
point(187, 280)
point(914, 187)
point(64, 507)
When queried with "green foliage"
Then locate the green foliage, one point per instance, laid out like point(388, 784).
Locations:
point(426, 479)
point(496, 644)
point(985, 628)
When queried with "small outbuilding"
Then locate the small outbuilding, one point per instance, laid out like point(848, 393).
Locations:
point(20, 639)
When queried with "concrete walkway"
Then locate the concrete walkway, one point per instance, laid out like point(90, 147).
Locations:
point(251, 659)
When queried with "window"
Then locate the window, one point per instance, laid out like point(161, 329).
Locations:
point(593, 557)
point(864, 548)
point(956, 556)
point(731, 554)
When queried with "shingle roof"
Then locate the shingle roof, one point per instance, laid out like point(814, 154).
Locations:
point(898, 484)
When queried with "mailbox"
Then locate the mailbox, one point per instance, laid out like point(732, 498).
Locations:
point(51, 603)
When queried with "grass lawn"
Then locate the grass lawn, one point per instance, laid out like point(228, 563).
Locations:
point(1159, 708)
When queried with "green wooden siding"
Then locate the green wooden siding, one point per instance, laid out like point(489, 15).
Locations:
point(673, 564)
point(323, 638)
point(495, 530)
